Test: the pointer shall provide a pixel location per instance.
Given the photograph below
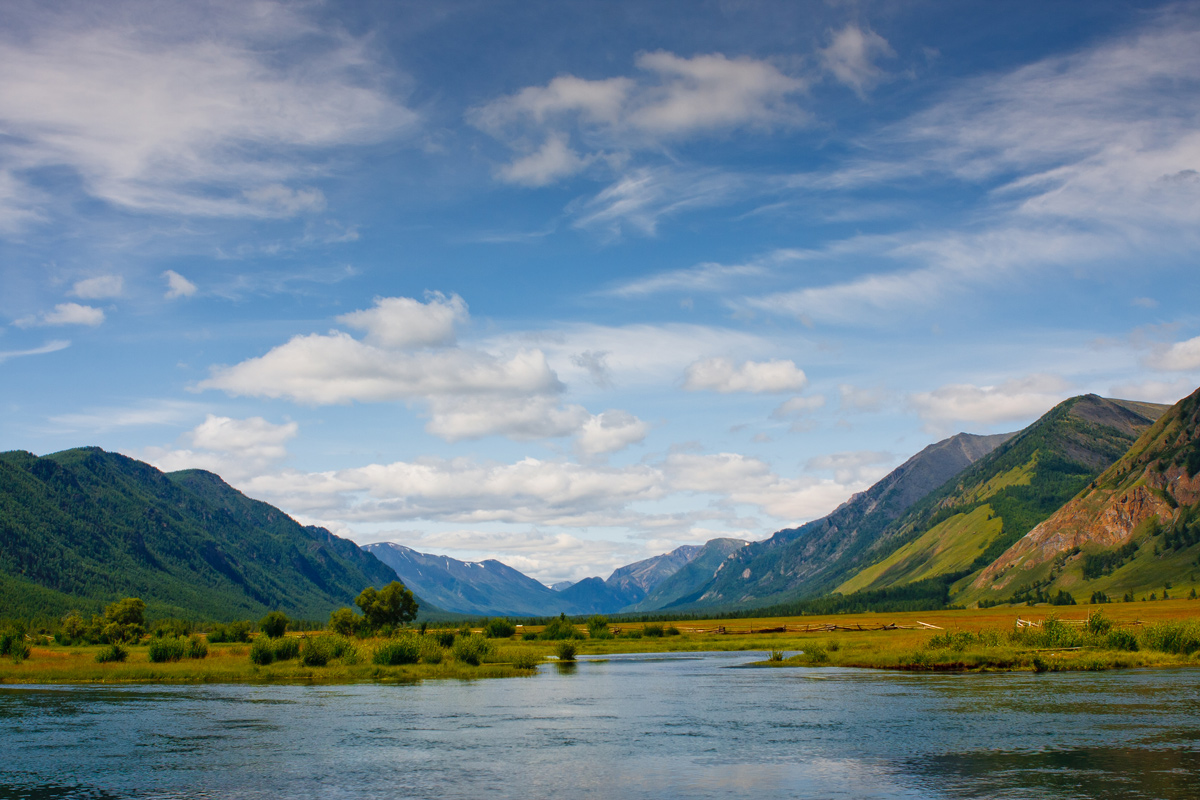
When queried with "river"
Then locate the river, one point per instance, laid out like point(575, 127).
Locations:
point(674, 726)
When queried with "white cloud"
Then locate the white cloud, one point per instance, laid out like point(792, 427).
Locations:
point(859, 466)
point(197, 110)
point(609, 432)
point(1179, 357)
point(857, 398)
point(1169, 392)
point(528, 418)
point(235, 449)
point(64, 314)
point(99, 287)
point(673, 97)
point(703, 278)
point(798, 406)
point(403, 322)
point(159, 412)
point(1013, 400)
point(177, 285)
point(555, 159)
point(723, 375)
point(49, 347)
point(851, 56)
point(640, 197)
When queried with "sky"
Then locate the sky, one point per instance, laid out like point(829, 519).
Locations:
point(573, 284)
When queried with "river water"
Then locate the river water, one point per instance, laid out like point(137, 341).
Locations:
point(675, 726)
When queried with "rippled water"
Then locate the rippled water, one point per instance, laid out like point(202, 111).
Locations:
point(629, 727)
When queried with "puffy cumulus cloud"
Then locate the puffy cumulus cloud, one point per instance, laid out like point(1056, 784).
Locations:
point(403, 322)
point(1016, 399)
point(64, 314)
point(197, 110)
point(1179, 357)
point(99, 287)
point(851, 56)
point(336, 368)
point(177, 285)
point(609, 432)
point(672, 97)
point(235, 449)
point(408, 354)
point(723, 375)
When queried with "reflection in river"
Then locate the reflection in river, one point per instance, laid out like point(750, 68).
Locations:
point(631, 727)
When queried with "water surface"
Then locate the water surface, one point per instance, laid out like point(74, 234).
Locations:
point(645, 726)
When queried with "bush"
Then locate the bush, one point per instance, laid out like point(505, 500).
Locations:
point(951, 640)
point(445, 638)
point(526, 659)
point(1098, 624)
point(405, 650)
point(114, 652)
point(317, 651)
point(261, 652)
point(197, 647)
point(560, 628)
point(499, 628)
point(814, 653)
point(345, 622)
point(565, 650)
point(167, 628)
point(432, 651)
point(18, 650)
point(274, 624)
point(671, 631)
point(632, 633)
point(172, 649)
point(776, 655)
point(7, 640)
point(1179, 636)
point(285, 648)
point(598, 627)
point(654, 630)
point(473, 649)
point(529, 636)
point(233, 632)
point(1121, 639)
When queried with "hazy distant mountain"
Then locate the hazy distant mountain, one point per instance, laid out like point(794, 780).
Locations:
point(635, 581)
point(558, 587)
point(483, 588)
point(84, 527)
point(685, 585)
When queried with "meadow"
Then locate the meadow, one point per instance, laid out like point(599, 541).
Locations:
point(1123, 635)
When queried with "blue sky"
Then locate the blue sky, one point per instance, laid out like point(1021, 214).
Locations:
point(569, 285)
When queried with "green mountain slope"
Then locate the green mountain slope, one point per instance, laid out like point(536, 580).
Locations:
point(1134, 530)
point(812, 559)
point(84, 527)
point(970, 521)
point(684, 586)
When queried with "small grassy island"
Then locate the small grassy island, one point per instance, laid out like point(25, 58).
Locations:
point(354, 649)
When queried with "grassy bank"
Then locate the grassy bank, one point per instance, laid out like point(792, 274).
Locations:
point(1165, 633)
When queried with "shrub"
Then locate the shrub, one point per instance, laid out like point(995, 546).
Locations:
point(317, 651)
point(815, 653)
point(951, 640)
point(654, 630)
point(197, 647)
point(526, 659)
point(671, 631)
point(172, 628)
point(445, 638)
point(114, 652)
point(233, 632)
point(432, 651)
point(1178, 636)
point(405, 650)
point(261, 652)
point(632, 633)
point(274, 624)
point(285, 648)
point(776, 655)
point(499, 628)
point(1121, 639)
point(598, 626)
point(560, 628)
point(7, 640)
point(172, 649)
point(566, 650)
point(18, 651)
point(1098, 624)
point(833, 646)
point(473, 649)
point(529, 636)
point(345, 622)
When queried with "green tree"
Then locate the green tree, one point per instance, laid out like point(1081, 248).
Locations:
point(126, 620)
point(345, 622)
point(392, 605)
point(274, 624)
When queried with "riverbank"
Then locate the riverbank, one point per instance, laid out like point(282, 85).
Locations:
point(1146, 634)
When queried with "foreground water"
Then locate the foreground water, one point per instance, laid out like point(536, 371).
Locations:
point(629, 727)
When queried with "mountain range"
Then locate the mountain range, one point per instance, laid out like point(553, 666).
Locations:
point(1098, 498)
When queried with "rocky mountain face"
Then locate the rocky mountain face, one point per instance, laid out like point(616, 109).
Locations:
point(1135, 528)
point(636, 580)
point(970, 521)
point(84, 527)
point(806, 561)
point(684, 586)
